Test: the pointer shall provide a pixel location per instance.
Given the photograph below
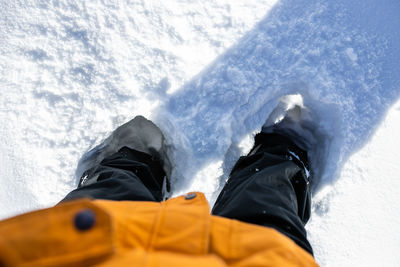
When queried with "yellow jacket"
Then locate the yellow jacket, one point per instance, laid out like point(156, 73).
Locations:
point(177, 232)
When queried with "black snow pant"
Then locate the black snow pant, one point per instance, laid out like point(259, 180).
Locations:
point(268, 187)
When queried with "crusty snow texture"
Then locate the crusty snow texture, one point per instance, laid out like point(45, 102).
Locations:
point(209, 73)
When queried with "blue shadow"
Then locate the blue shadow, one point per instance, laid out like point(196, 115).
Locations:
point(341, 56)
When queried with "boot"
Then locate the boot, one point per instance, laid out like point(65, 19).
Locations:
point(139, 134)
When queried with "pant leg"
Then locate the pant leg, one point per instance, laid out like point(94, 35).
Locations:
point(126, 175)
point(269, 187)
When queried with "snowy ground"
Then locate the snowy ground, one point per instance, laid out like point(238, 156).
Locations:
point(209, 73)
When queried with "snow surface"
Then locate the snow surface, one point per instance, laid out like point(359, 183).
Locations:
point(209, 73)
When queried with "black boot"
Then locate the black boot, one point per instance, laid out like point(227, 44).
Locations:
point(131, 164)
point(138, 134)
point(270, 186)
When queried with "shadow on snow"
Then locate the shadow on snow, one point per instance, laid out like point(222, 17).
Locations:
point(344, 70)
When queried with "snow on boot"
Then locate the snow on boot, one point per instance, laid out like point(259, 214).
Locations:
point(295, 122)
point(138, 134)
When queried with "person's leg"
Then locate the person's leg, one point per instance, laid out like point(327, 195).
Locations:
point(270, 187)
point(126, 175)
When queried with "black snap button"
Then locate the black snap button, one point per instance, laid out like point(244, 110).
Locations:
point(84, 220)
point(190, 196)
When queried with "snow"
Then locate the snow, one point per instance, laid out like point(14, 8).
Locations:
point(351, 54)
point(361, 208)
point(209, 73)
